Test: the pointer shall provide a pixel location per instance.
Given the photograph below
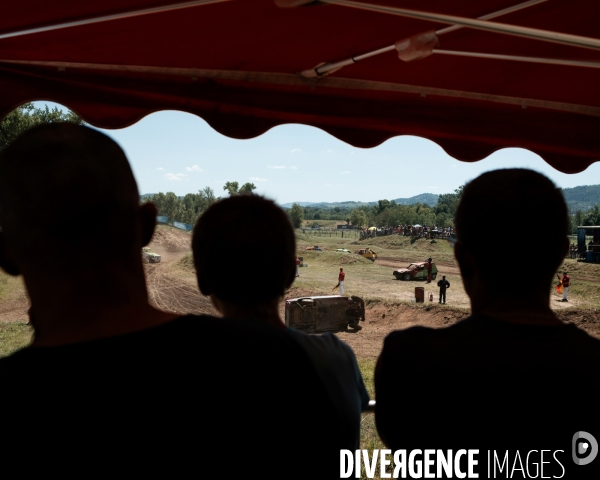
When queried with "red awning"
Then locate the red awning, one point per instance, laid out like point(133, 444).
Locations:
point(247, 65)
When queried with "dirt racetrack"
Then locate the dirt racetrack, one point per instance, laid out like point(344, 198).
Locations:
point(173, 288)
point(169, 288)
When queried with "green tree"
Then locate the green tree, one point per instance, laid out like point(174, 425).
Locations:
point(26, 116)
point(447, 205)
point(592, 217)
point(358, 217)
point(247, 189)
point(577, 220)
point(187, 209)
point(232, 188)
point(383, 205)
point(296, 214)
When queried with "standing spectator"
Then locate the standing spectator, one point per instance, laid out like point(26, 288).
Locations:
point(429, 267)
point(297, 265)
point(443, 284)
point(565, 283)
point(341, 278)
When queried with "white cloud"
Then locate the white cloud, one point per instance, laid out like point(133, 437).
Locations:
point(193, 168)
point(258, 179)
point(330, 151)
point(327, 184)
point(293, 167)
point(175, 177)
point(276, 167)
point(345, 172)
point(160, 169)
point(295, 150)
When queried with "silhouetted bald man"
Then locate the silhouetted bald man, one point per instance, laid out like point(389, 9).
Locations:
point(512, 377)
point(111, 384)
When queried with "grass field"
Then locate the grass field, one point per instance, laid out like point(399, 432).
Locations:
point(389, 246)
point(13, 335)
point(10, 287)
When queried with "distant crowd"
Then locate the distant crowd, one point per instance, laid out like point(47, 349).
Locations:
point(426, 231)
point(112, 385)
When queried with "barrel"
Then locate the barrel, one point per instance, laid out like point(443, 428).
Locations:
point(420, 294)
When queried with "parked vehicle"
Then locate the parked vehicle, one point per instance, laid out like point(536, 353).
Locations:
point(416, 271)
point(343, 250)
point(148, 256)
point(315, 247)
point(331, 313)
point(367, 253)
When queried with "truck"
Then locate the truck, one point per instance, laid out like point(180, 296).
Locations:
point(329, 313)
point(590, 251)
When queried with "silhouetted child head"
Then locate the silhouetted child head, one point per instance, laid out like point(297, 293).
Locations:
point(244, 250)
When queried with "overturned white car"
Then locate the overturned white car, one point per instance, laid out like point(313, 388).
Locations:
point(148, 256)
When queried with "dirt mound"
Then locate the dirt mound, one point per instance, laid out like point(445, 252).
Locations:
point(172, 238)
point(382, 319)
point(328, 257)
point(588, 320)
point(170, 243)
point(187, 263)
point(171, 292)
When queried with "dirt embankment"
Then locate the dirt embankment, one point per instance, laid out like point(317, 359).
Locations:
point(382, 319)
point(169, 288)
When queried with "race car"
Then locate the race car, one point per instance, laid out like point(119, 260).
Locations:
point(416, 271)
point(148, 256)
point(367, 253)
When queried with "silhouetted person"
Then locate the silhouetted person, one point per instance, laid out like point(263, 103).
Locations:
point(319, 395)
point(110, 384)
point(512, 376)
point(73, 226)
point(443, 284)
point(429, 270)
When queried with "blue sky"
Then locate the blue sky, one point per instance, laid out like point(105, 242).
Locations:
point(179, 152)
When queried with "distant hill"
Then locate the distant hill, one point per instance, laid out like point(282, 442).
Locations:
point(347, 204)
point(582, 198)
point(430, 199)
point(424, 198)
point(302, 204)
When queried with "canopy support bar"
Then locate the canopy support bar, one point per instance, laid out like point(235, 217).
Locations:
point(107, 18)
point(495, 27)
point(333, 66)
point(270, 78)
point(550, 61)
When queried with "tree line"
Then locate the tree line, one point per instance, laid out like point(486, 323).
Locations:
point(388, 213)
point(27, 116)
point(189, 208)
